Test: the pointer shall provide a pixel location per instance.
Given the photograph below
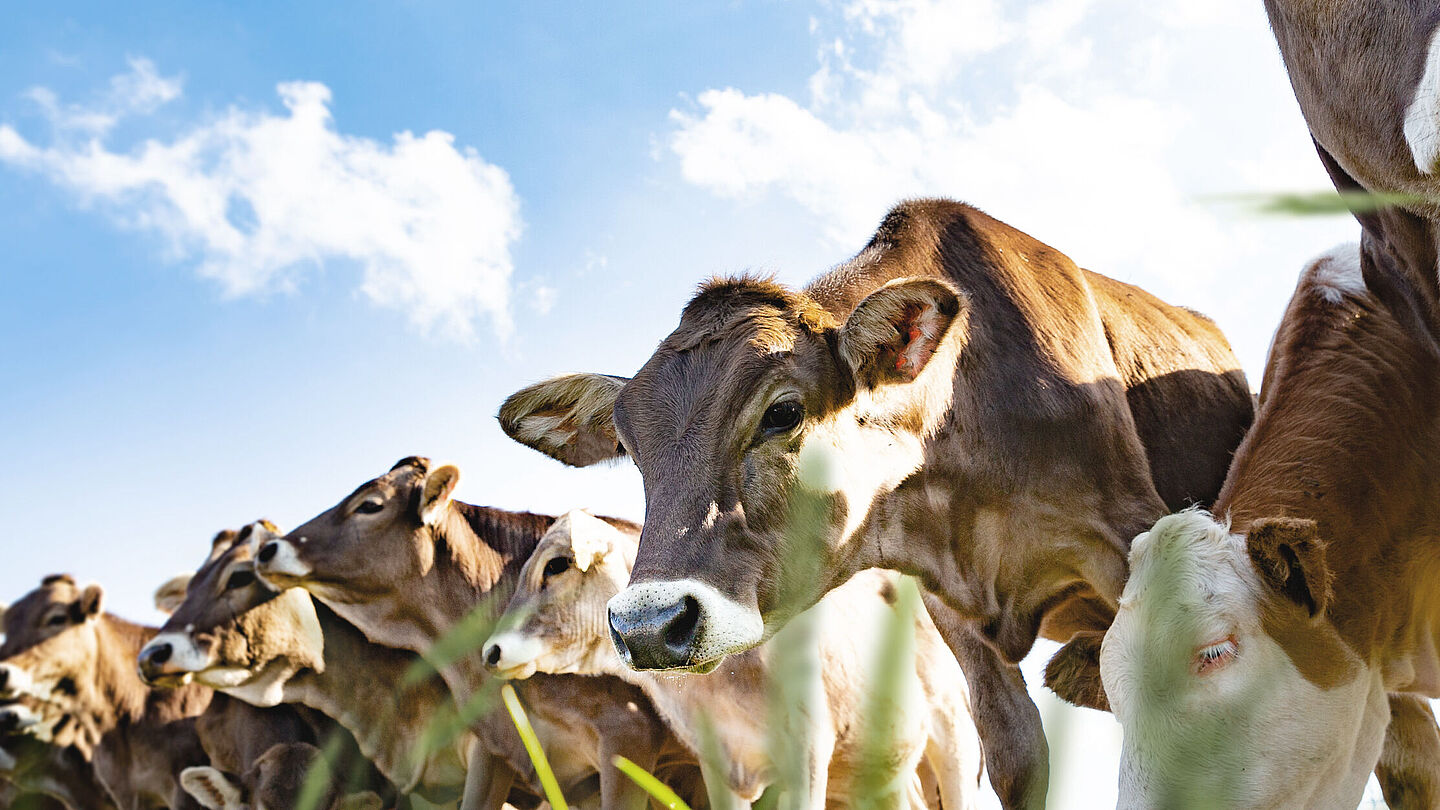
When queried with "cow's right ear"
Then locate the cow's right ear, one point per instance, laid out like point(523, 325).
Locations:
point(1074, 672)
point(171, 595)
point(89, 605)
point(436, 492)
point(1290, 556)
point(213, 788)
point(570, 418)
point(893, 333)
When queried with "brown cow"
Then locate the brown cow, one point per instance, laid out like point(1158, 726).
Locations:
point(60, 647)
point(231, 632)
point(278, 780)
point(410, 567)
point(1257, 657)
point(959, 402)
point(556, 623)
point(34, 762)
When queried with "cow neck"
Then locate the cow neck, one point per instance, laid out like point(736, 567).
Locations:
point(120, 696)
point(359, 689)
point(1347, 436)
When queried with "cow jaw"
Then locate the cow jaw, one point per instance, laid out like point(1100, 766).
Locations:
point(1213, 708)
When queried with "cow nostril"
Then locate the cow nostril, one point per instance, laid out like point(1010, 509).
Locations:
point(680, 630)
point(4, 677)
point(269, 550)
point(492, 655)
point(160, 653)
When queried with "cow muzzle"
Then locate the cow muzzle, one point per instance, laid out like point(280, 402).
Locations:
point(169, 660)
point(513, 656)
point(682, 624)
point(278, 562)
point(15, 719)
point(14, 681)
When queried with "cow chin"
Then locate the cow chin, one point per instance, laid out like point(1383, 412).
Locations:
point(680, 625)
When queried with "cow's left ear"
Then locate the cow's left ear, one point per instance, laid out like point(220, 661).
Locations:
point(171, 594)
point(89, 605)
point(1290, 556)
point(436, 492)
point(213, 788)
point(893, 333)
point(1074, 672)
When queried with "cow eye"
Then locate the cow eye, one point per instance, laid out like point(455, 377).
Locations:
point(239, 579)
point(369, 507)
point(56, 620)
point(782, 417)
point(556, 566)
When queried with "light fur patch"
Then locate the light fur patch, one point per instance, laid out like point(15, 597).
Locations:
point(212, 788)
point(724, 627)
point(1422, 117)
point(17, 682)
point(1336, 273)
point(185, 654)
point(286, 562)
point(521, 654)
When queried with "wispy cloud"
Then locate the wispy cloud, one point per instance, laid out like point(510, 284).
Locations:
point(1099, 126)
point(257, 199)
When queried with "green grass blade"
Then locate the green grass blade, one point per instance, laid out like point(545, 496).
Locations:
point(893, 661)
point(650, 784)
point(532, 746)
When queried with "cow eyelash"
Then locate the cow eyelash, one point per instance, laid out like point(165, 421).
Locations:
point(56, 620)
point(556, 566)
point(1216, 655)
point(369, 507)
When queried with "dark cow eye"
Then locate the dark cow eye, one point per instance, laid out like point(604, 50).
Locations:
point(782, 417)
point(239, 579)
point(369, 507)
point(556, 566)
point(56, 620)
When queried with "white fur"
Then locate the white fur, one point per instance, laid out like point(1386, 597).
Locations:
point(265, 688)
point(17, 682)
point(520, 654)
point(25, 718)
point(590, 537)
point(1337, 273)
point(211, 788)
point(860, 462)
point(285, 562)
point(1422, 118)
point(1252, 733)
point(725, 626)
point(185, 654)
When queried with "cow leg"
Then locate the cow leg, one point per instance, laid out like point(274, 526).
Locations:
point(487, 781)
point(1409, 767)
point(1011, 736)
point(618, 791)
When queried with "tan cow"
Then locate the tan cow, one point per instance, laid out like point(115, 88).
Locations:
point(34, 762)
point(411, 567)
point(1258, 656)
point(62, 648)
point(556, 623)
point(959, 402)
point(229, 631)
point(277, 781)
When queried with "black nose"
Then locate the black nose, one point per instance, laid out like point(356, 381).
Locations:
point(661, 637)
point(4, 678)
point(268, 551)
point(152, 659)
point(492, 655)
point(9, 723)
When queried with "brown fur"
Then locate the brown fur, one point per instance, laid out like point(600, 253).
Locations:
point(406, 583)
point(1059, 414)
point(58, 771)
point(137, 738)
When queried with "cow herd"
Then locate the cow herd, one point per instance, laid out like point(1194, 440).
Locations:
point(1247, 583)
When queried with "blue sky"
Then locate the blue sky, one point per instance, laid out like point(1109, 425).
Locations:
point(219, 307)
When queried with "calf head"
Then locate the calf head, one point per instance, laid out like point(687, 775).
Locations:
point(556, 620)
point(51, 640)
point(234, 632)
point(280, 778)
point(1232, 687)
point(764, 430)
point(355, 555)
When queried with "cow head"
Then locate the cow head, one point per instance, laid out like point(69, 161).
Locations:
point(51, 640)
point(764, 430)
point(1232, 687)
point(234, 632)
point(556, 621)
point(278, 779)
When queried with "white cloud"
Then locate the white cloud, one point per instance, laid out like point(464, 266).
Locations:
point(258, 200)
point(1099, 126)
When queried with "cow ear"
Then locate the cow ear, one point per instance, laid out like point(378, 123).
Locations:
point(590, 539)
point(1290, 556)
point(171, 595)
point(1074, 672)
point(570, 418)
point(89, 605)
point(435, 494)
point(213, 788)
point(893, 333)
